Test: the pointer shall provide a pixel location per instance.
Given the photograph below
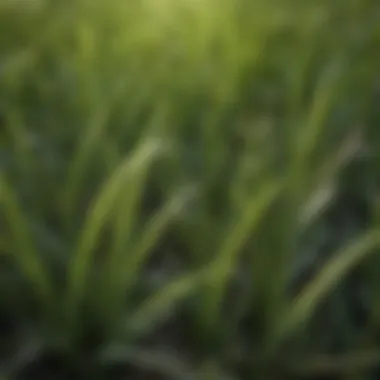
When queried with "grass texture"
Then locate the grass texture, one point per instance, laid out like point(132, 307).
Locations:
point(189, 189)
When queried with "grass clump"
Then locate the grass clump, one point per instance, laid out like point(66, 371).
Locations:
point(188, 189)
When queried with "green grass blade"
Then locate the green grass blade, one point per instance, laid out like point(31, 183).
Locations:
point(125, 267)
point(224, 265)
point(159, 305)
point(153, 231)
point(82, 159)
point(339, 265)
point(324, 99)
point(24, 250)
point(323, 187)
point(105, 202)
point(316, 204)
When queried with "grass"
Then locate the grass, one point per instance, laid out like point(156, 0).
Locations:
point(188, 189)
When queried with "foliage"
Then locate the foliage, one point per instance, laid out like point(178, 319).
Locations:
point(188, 189)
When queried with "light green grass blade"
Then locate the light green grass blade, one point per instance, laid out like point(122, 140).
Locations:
point(327, 279)
point(316, 204)
point(153, 231)
point(325, 98)
point(24, 250)
point(224, 265)
point(81, 263)
point(158, 306)
point(82, 159)
point(126, 264)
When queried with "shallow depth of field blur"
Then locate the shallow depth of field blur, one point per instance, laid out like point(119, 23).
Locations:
point(189, 189)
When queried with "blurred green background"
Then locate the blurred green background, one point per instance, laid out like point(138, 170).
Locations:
point(189, 189)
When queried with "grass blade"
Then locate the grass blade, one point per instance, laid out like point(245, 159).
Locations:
point(81, 161)
point(154, 231)
point(24, 251)
point(330, 275)
point(324, 100)
point(159, 305)
point(126, 266)
point(103, 205)
point(225, 262)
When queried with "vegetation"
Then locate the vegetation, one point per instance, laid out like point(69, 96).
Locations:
point(189, 189)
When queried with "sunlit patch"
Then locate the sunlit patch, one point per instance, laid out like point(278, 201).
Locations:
point(22, 5)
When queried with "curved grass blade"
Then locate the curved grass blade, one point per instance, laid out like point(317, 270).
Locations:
point(126, 266)
point(105, 202)
point(81, 160)
point(24, 251)
point(159, 305)
point(326, 94)
point(224, 264)
point(330, 275)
